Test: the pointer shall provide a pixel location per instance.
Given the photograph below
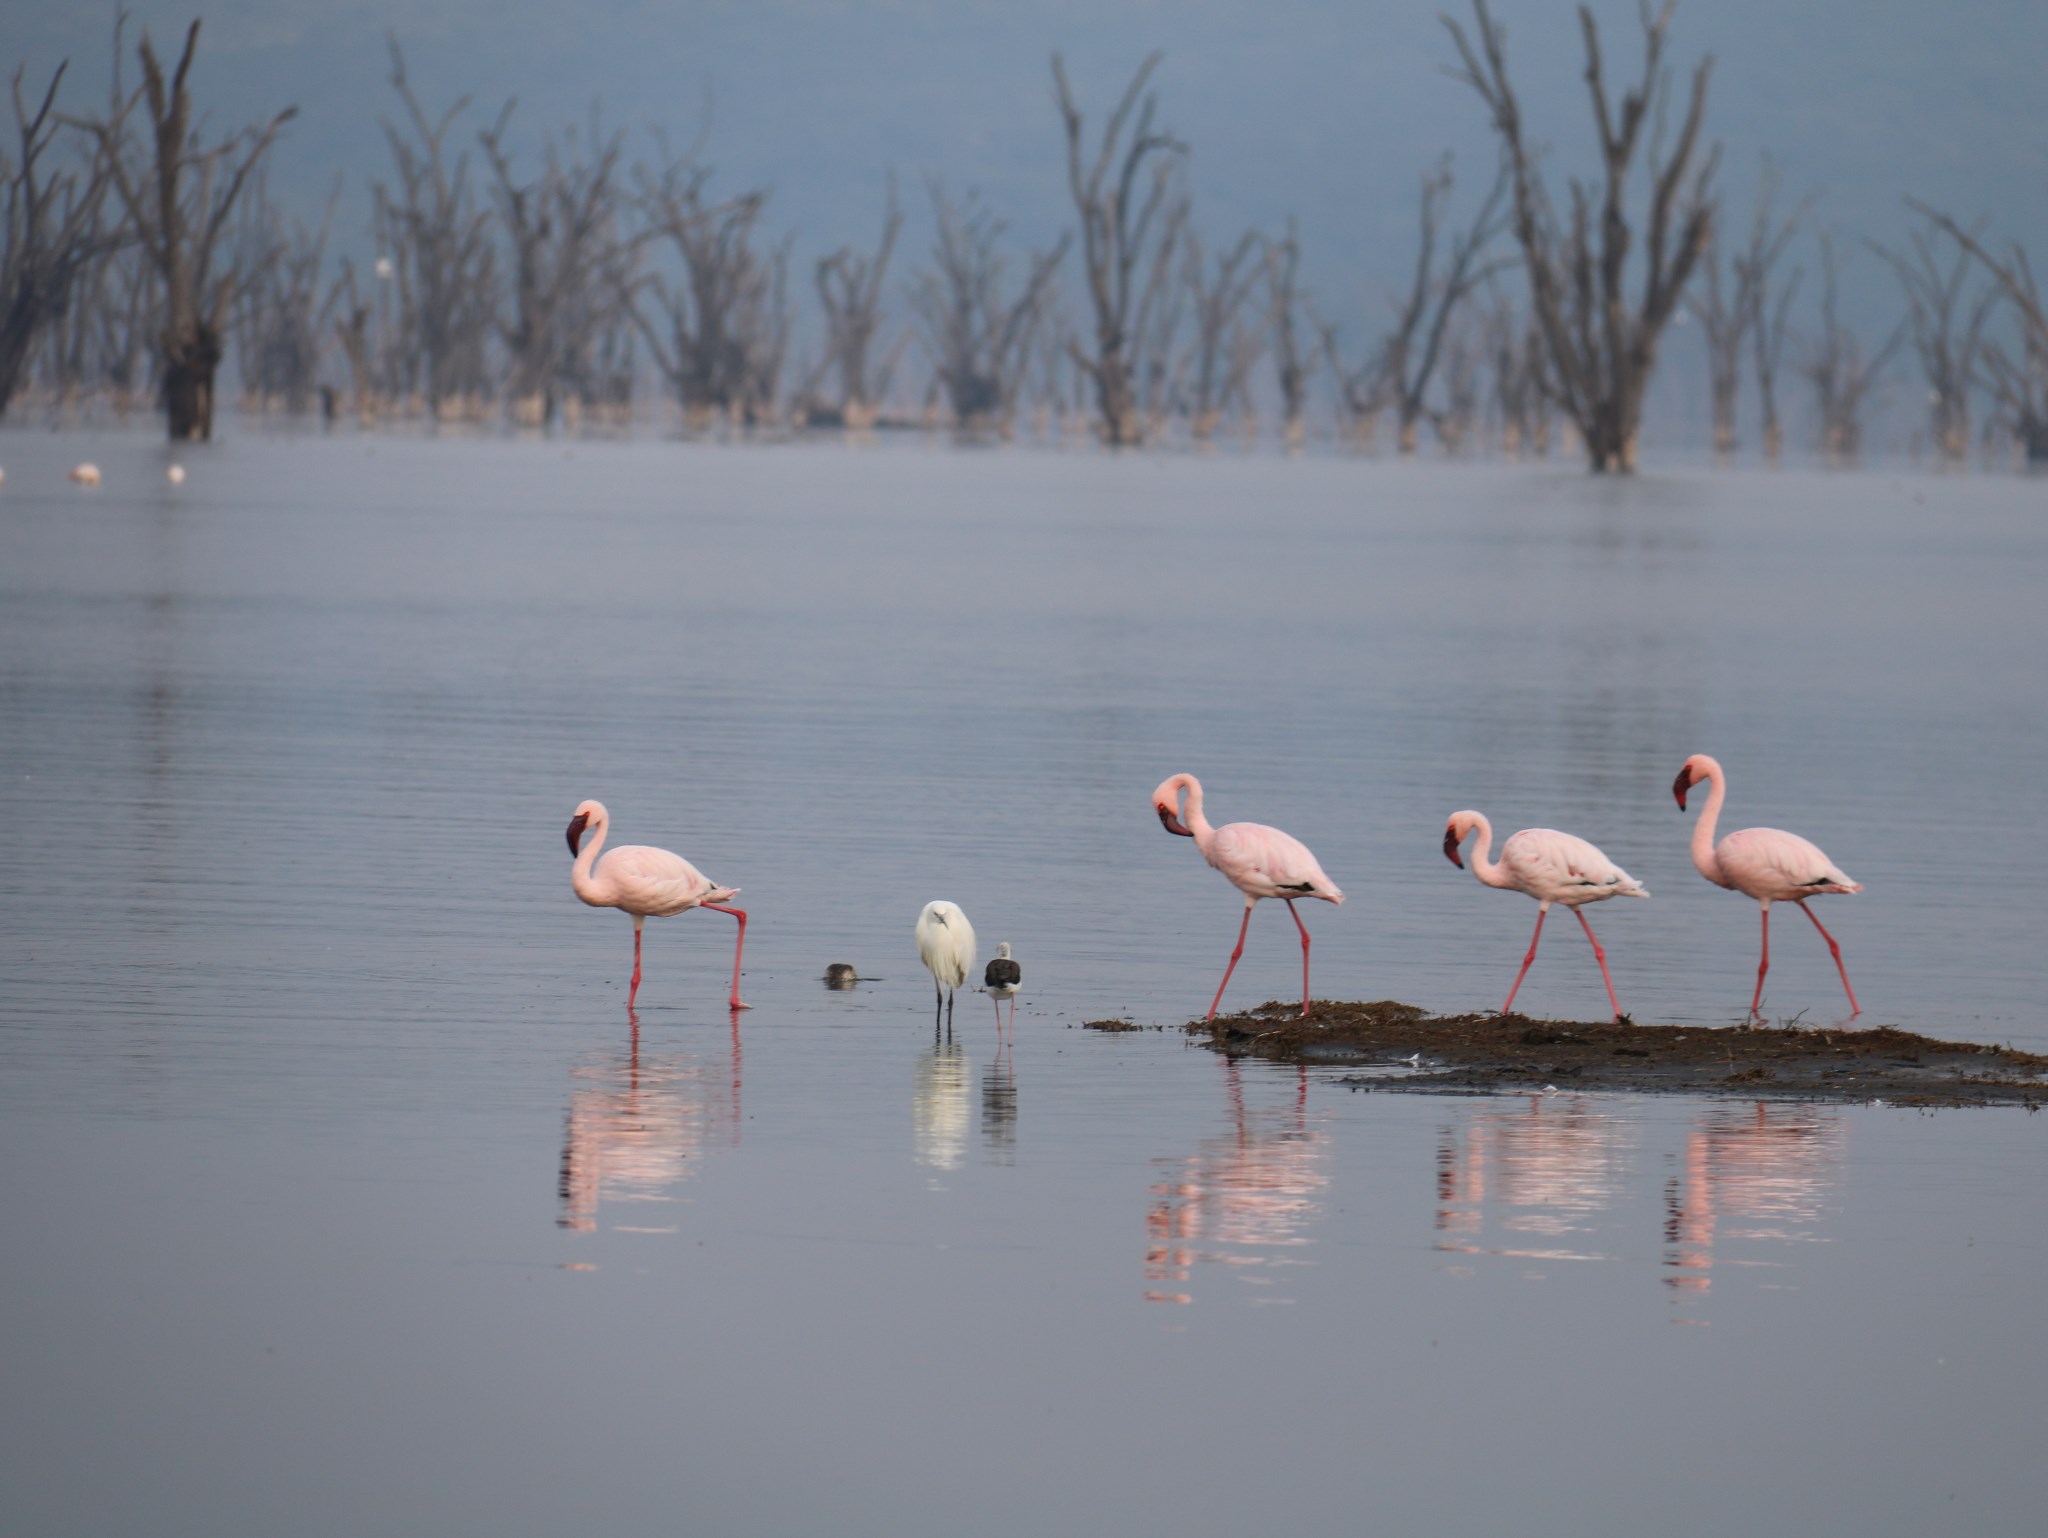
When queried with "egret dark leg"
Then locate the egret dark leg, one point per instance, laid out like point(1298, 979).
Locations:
point(738, 946)
point(1527, 961)
point(938, 1008)
point(1836, 951)
point(1600, 956)
point(1763, 965)
point(1304, 956)
point(1233, 959)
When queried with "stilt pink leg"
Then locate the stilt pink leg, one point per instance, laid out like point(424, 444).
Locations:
point(1304, 955)
point(1013, 1017)
point(1764, 965)
point(1836, 951)
point(1527, 961)
point(1600, 956)
point(633, 992)
point(1241, 928)
point(738, 945)
point(999, 1018)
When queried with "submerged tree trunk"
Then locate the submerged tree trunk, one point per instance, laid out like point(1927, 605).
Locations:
point(190, 363)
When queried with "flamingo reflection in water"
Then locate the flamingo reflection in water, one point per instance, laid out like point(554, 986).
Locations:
point(1762, 1172)
point(1251, 1189)
point(941, 1110)
point(637, 1125)
point(1545, 1166)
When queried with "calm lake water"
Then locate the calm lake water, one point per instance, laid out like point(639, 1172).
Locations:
point(347, 1200)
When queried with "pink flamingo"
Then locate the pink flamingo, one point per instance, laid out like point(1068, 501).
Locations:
point(1768, 864)
point(1259, 861)
point(1551, 867)
point(645, 882)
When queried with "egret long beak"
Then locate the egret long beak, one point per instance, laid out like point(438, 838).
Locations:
point(1170, 820)
point(576, 826)
point(1451, 843)
point(1681, 785)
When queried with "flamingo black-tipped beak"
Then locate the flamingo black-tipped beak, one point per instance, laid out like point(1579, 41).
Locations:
point(1451, 842)
point(1170, 821)
point(576, 826)
point(1681, 785)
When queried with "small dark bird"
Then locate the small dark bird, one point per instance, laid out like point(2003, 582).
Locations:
point(1002, 980)
point(841, 974)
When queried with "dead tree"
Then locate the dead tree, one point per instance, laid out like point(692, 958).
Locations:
point(571, 263)
point(2017, 380)
point(54, 232)
point(978, 336)
point(1770, 324)
point(1456, 420)
point(720, 329)
point(281, 312)
point(1410, 351)
point(850, 290)
point(1284, 304)
point(1728, 304)
point(1948, 334)
point(179, 194)
point(1220, 362)
point(1364, 391)
point(1127, 208)
point(104, 345)
point(1601, 340)
point(1162, 380)
point(444, 265)
point(1514, 351)
point(1840, 371)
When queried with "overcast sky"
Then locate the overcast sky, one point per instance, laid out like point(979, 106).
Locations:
point(1327, 111)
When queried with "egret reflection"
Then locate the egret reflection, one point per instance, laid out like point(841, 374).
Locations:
point(941, 1106)
point(638, 1125)
point(1244, 1199)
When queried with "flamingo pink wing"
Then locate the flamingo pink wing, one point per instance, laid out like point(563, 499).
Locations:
point(1264, 862)
point(1769, 862)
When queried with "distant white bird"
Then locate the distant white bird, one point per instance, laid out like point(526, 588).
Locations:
point(945, 944)
point(175, 475)
point(87, 474)
point(1551, 867)
point(1002, 980)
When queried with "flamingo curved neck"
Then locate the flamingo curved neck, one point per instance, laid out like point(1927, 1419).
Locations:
point(1197, 823)
point(1704, 860)
point(1486, 870)
point(581, 876)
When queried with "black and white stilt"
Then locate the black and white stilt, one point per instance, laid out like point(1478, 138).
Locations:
point(1002, 980)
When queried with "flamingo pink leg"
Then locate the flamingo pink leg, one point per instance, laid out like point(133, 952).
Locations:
point(1241, 928)
point(1304, 956)
point(1527, 961)
point(1600, 956)
point(1836, 951)
point(633, 992)
point(739, 945)
point(1764, 965)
